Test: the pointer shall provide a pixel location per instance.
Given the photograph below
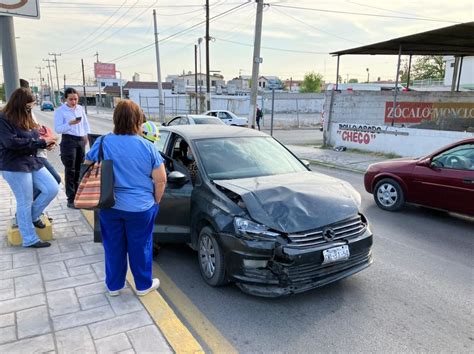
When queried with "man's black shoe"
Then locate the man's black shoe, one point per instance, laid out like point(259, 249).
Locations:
point(39, 224)
point(71, 205)
point(40, 244)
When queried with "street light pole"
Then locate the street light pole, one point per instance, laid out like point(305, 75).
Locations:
point(367, 75)
point(158, 69)
point(120, 78)
point(256, 62)
point(9, 59)
point(57, 76)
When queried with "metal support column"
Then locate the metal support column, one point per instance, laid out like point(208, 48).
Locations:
point(9, 59)
point(396, 84)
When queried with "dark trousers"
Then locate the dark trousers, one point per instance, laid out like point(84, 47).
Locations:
point(72, 155)
point(50, 168)
point(128, 233)
point(258, 122)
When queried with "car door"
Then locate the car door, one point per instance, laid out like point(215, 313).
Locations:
point(224, 117)
point(447, 182)
point(172, 224)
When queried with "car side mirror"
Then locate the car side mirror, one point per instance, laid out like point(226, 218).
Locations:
point(177, 178)
point(425, 162)
point(306, 163)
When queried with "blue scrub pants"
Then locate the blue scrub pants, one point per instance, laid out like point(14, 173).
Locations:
point(125, 232)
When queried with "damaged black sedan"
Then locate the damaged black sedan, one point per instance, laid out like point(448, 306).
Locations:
point(256, 215)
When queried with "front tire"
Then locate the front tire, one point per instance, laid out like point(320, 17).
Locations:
point(388, 194)
point(211, 258)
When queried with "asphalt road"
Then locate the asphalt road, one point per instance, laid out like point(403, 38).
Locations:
point(417, 296)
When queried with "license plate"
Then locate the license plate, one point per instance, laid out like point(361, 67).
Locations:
point(336, 254)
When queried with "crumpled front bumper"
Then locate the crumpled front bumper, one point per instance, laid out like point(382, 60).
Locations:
point(290, 270)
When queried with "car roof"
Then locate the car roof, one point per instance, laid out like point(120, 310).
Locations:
point(209, 131)
point(195, 116)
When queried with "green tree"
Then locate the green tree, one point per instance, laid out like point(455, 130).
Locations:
point(428, 67)
point(353, 81)
point(311, 82)
point(2, 93)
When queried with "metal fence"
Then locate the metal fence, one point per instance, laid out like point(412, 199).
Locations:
point(289, 110)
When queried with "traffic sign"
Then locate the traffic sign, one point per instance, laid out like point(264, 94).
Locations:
point(22, 8)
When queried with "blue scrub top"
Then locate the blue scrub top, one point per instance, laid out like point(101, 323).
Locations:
point(134, 160)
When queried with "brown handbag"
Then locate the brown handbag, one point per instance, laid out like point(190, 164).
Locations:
point(96, 189)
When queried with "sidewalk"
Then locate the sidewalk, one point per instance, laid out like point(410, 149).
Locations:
point(351, 161)
point(54, 299)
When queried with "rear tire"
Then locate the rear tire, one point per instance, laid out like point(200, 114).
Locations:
point(211, 258)
point(388, 194)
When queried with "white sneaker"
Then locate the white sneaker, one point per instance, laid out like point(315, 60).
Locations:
point(115, 292)
point(154, 286)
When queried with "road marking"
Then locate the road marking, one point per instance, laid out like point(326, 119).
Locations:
point(175, 332)
point(206, 331)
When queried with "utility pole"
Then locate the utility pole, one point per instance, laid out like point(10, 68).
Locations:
point(84, 85)
point(9, 61)
point(41, 82)
point(208, 68)
point(158, 69)
point(196, 76)
point(55, 55)
point(256, 62)
point(99, 97)
point(51, 88)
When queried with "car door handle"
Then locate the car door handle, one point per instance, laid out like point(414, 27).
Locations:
point(468, 181)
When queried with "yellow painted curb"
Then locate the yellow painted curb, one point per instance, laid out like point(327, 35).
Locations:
point(175, 332)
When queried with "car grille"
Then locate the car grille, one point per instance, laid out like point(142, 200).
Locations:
point(349, 228)
point(312, 272)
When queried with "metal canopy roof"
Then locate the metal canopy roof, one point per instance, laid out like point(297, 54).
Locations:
point(457, 40)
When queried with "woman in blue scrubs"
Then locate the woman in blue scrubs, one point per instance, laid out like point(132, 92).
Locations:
point(140, 179)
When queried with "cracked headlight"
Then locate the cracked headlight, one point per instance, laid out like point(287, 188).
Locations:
point(245, 227)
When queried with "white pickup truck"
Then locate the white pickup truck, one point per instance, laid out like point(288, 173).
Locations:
point(228, 117)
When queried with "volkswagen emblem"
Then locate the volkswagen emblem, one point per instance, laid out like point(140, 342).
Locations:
point(328, 234)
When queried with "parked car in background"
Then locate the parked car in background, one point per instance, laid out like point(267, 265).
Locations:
point(47, 106)
point(441, 180)
point(255, 214)
point(228, 117)
point(193, 119)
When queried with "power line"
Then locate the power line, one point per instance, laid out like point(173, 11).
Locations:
point(134, 52)
point(392, 11)
point(360, 13)
point(316, 28)
point(119, 29)
point(272, 48)
point(95, 31)
point(105, 30)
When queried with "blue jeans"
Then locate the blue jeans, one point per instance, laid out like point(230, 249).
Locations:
point(50, 168)
point(27, 210)
point(125, 232)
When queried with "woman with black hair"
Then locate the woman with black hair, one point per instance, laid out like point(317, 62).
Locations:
point(70, 120)
point(21, 168)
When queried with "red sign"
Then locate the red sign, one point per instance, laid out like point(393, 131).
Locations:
point(415, 112)
point(408, 112)
point(104, 71)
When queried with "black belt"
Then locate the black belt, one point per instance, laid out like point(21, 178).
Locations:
point(72, 137)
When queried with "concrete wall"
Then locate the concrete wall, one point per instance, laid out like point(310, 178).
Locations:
point(369, 106)
point(386, 139)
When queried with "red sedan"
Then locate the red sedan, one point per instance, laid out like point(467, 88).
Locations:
point(441, 180)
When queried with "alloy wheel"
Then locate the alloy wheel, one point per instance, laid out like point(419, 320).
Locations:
point(387, 195)
point(207, 256)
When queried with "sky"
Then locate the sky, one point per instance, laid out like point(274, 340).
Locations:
point(297, 36)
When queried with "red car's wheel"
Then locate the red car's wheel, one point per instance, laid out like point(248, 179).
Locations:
point(389, 195)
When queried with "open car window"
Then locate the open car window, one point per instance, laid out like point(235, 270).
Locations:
point(460, 157)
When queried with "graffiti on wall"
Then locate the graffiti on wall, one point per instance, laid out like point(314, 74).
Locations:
point(365, 134)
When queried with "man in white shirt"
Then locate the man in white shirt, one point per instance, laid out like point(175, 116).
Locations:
point(71, 121)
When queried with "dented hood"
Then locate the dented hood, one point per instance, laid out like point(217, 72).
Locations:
point(295, 202)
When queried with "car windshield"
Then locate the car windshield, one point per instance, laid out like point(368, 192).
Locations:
point(245, 157)
point(206, 120)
